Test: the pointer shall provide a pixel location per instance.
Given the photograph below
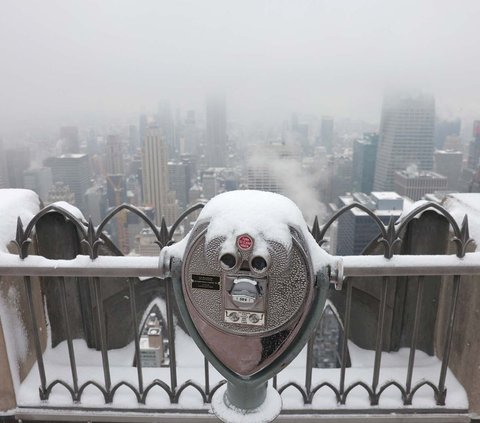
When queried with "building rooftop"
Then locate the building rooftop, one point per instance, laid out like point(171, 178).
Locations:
point(386, 195)
point(425, 174)
point(381, 202)
point(457, 152)
point(71, 156)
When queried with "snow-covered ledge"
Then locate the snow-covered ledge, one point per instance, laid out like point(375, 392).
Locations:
point(16, 355)
point(461, 204)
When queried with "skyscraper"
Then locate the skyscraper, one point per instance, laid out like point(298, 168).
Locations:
point(70, 142)
point(474, 147)
point(17, 161)
point(406, 137)
point(326, 133)
point(114, 163)
point(449, 164)
point(338, 177)
point(155, 172)
point(189, 144)
point(133, 141)
point(142, 129)
point(364, 158)
point(92, 143)
point(167, 126)
point(446, 128)
point(216, 143)
point(179, 181)
point(73, 170)
point(38, 180)
point(471, 173)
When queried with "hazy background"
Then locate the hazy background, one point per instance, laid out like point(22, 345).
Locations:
point(63, 58)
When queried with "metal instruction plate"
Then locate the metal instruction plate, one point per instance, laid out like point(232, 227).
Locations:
point(206, 282)
point(244, 317)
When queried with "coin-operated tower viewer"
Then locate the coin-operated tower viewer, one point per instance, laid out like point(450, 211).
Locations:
point(250, 283)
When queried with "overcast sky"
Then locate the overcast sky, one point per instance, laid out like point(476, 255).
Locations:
point(60, 58)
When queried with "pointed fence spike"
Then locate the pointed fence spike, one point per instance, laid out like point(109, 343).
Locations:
point(20, 241)
point(465, 229)
point(163, 226)
point(163, 235)
point(391, 239)
point(391, 227)
point(90, 223)
point(20, 232)
point(464, 240)
point(90, 240)
point(90, 233)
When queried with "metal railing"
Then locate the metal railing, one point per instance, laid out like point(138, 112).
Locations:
point(94, 267)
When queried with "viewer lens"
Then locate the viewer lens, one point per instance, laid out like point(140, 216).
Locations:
point(228, 261)
point(259, 263)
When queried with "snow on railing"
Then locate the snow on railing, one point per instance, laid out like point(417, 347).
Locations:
point(340, 382)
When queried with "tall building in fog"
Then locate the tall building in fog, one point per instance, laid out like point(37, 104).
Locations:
point(474, 147)
point(92, 143)
point(364, 160)
point(96, 204)
point(189, 139)
point(449, 164)
point(167, 127)
point(210, 183)
point(69, 140)
point(406, 137)
point(114, 163)
point(38, 180)
point(72, 170)
point(142, 129)
point(326, 133)
point(338, 176)
point(445, 128)
point(17, 161)
point(471, 173)
point(133, 142)
point(179, 181)
point(216, 142)
point(155, 172)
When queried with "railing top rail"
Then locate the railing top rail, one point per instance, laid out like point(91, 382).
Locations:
point(136, 266)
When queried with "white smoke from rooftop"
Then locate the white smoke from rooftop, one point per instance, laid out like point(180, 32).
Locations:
point(279, 165)
point(412, 170)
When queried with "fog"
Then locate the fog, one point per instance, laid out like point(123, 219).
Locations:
point(64, 58)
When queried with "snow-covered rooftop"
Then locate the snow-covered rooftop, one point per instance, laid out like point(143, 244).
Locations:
point(382, 203)
point(386, 195)
point(461, 204)
point(72, 156)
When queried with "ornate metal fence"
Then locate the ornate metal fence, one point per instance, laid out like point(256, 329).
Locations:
point(95, 266)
